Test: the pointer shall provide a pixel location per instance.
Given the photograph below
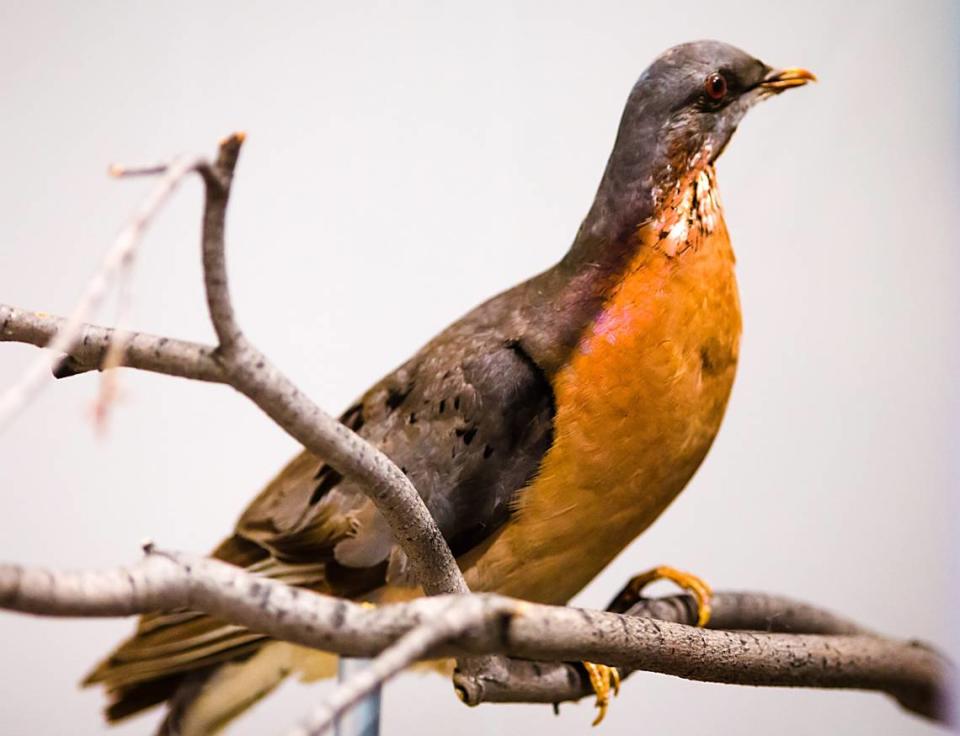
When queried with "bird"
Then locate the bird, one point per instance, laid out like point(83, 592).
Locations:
point(545, 429)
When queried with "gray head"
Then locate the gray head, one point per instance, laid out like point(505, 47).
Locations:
point(680, 114)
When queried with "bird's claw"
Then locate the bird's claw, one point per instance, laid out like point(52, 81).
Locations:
point(604, 680)
point(702, 593)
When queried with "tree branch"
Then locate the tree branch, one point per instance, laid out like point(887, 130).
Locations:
point(145, 352)
point(841, 657)
point(523, 681)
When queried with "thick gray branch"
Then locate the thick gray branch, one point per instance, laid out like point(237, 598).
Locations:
point(910, 672)
point(523, 681)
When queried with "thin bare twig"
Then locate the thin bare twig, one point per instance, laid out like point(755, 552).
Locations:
point(109, 391)
point(22, 392)
point(912, 673)
point(125, 171)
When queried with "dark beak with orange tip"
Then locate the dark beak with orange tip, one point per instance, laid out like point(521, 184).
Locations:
point(780, 79)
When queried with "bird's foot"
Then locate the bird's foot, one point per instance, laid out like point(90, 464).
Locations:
point(698, 588)
point(604, 680)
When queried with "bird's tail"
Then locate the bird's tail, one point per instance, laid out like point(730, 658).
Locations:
point(205, 704)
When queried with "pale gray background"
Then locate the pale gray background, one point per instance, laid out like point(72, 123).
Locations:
point(402, 165)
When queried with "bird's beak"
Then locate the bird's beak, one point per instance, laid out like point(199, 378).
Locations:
point(781, 79)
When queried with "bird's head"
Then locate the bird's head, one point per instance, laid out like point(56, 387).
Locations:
point(680, 115)
point(693, 97)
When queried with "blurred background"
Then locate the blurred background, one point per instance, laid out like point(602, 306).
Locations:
point(402, 165)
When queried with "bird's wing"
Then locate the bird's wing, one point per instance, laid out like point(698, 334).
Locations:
point(468, 419)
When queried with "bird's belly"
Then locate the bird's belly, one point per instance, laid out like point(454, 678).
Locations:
point(638, 406)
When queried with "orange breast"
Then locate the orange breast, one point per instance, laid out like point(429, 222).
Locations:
point(638, 405)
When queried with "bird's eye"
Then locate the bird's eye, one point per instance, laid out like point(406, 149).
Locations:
point(715, 86)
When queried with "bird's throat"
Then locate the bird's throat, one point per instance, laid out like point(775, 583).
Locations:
point(689, 213)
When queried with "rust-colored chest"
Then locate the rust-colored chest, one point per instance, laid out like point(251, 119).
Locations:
point(639, 403)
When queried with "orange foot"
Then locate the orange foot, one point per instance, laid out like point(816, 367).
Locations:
point(701, 592)
point(604, 679)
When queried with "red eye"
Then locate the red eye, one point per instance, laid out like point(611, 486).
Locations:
point(716, 86)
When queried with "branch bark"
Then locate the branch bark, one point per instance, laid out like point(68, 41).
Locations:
point(840, 656)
